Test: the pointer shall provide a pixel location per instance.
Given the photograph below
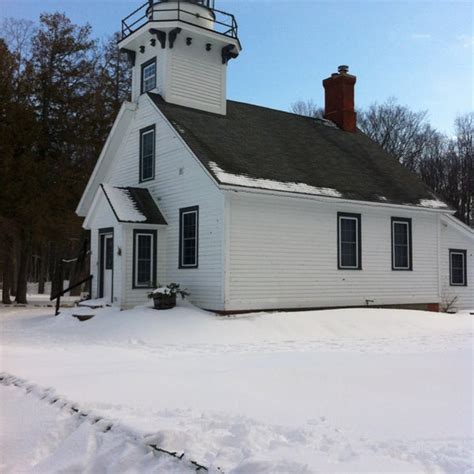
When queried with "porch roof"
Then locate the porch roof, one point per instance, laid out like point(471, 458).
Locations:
point(133, 205)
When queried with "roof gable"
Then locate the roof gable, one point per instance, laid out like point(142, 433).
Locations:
point(258, 147)
point(459, 225)
point(106, 157)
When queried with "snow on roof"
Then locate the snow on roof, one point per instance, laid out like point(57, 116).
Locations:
point(123, 204)
point(433, 203)
point(241, 180)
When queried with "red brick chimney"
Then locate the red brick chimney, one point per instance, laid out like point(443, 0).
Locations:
point(339, 99)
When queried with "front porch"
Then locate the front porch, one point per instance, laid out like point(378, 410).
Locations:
point(128, 240)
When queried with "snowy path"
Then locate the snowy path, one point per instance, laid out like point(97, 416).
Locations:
point(335, 399)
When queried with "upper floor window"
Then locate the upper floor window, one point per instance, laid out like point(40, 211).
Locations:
point(188, 232)
point(349, 241)
point(401, 244)
point(148, 80)
point(144, 258)
point(457, 267)
point(147, 153)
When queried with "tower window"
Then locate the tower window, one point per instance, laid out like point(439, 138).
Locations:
point(148, 75)
point(147, 153)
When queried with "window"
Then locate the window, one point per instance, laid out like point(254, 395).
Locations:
point(144, 258)
point(188, 231)
point(147, 153)
point(105, 261)
point(109, 252)
point(457, 268)
point(401, 244)
point(148, 75)
point(349, 241)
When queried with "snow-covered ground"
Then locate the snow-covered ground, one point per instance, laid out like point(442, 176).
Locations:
point(43, 299)
point(361, 390)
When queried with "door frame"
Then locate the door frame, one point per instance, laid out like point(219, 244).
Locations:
point(104, 232)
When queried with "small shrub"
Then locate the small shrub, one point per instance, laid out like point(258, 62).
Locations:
point(164, 297)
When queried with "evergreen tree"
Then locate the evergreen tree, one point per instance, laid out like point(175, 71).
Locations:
point(59, 94)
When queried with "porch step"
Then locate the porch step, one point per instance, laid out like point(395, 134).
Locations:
point(93, 304)
point(83, 316)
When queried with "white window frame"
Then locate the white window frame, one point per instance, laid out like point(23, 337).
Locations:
point(407, 228)
point(464, 269)
point(152, 248)
point(142, 148)
point(357, 250)
point(196, 238)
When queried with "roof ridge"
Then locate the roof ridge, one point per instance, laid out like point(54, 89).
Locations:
point(286, 112)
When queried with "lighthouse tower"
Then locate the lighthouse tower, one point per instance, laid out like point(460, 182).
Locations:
point(180, 49)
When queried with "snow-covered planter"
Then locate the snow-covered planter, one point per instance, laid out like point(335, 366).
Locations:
point(164, 297)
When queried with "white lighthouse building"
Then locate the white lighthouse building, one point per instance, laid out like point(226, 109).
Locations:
point(250, 208)
point(180, 50)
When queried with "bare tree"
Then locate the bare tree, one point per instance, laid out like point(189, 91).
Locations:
point(464, 127)
point(398, 130)
point(435, 162)
point(307, 108)
point(446, 166)
point(448, 303)
point(17, 34)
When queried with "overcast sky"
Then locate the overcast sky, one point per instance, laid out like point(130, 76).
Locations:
point(420, 52)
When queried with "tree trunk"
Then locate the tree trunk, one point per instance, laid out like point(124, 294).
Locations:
point(52, 257)
point(42, 269)
point(6, 285)
point(14, 275)
point(22, 280)
point(57, 276)
point(7, 271)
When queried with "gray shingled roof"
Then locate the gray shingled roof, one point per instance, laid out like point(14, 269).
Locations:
point(261, 143)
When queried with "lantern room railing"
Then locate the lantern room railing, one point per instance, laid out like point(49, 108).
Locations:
point(179, 10)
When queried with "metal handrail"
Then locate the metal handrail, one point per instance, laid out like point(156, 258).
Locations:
point(57, 296)
point(129, 23)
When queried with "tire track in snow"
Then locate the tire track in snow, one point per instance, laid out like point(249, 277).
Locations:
point(100, 423)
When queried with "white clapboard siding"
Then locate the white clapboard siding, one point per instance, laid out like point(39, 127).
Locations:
point(454, 236)
point(196, 81)
point(195, 76)
point(180, 181)
point(283, 254)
